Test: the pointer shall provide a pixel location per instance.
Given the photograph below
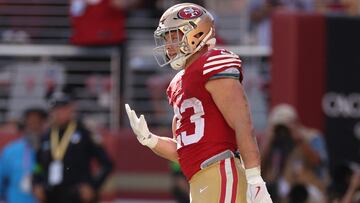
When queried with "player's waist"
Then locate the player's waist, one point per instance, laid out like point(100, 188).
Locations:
point(219, 157)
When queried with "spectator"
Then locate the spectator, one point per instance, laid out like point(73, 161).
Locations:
point(99, 22)
point(18, 159)
point(294, 154)
point(63, 172)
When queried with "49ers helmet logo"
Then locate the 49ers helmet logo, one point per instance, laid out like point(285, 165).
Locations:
point(189, 13)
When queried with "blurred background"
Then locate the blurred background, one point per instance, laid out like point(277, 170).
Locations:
point(301, 64)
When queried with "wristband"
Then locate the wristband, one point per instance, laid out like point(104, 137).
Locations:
point(153, 140)
point(253, 175)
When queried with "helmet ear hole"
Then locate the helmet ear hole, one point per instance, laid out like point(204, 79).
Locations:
point(198, 35)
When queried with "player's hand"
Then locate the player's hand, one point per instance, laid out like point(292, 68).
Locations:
point(256, 190)
point(141, 129)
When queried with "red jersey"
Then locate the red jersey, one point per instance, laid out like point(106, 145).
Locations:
point(201, 129)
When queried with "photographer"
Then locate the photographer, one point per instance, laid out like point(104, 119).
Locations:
point(294, 154)
point(63, 172)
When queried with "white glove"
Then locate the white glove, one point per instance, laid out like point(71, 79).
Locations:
point(141, 129)
point(256, 190)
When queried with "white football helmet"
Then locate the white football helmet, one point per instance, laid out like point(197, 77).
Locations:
point(196, 25)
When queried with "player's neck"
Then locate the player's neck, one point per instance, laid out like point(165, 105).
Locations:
point(194, 57)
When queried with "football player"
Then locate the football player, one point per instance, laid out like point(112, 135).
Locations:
point(211, 113)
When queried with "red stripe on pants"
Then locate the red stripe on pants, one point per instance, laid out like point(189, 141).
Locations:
point(223, 181)
point(235, 182)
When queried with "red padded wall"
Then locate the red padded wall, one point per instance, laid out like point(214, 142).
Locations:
point(298, 64)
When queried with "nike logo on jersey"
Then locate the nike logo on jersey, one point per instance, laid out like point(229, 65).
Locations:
point(257, 192)
point(202, 189)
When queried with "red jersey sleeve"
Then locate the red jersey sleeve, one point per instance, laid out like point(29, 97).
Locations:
point(220, 60)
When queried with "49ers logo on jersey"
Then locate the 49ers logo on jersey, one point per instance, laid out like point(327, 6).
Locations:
point(189, 13)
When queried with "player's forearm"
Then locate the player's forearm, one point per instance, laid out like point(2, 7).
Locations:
point(245, 138)
point(166, 148)
point(248, 149)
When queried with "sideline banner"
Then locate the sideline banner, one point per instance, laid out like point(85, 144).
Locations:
point(341, 100)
